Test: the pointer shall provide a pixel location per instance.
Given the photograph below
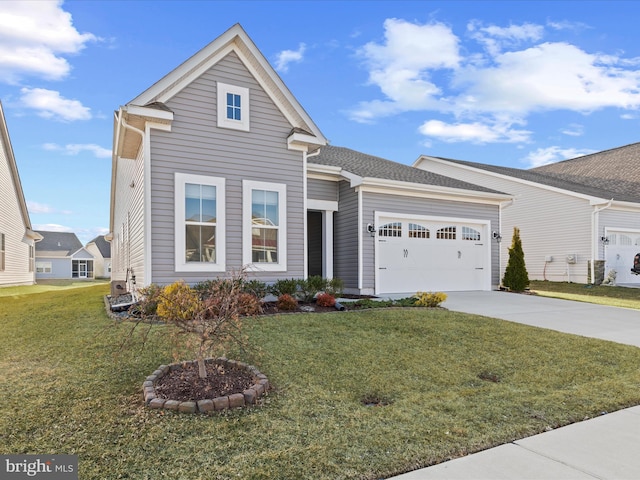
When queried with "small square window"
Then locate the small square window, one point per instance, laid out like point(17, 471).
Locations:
point(233, 107)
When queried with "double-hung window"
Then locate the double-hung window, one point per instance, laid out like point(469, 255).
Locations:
point(264, 226)
point(233, 107)
point(2, 251)
point(200, 223)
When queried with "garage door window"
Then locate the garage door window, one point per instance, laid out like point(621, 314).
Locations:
point(391, 230)
point(469, 233)
point(418, 231)
point(446, 233)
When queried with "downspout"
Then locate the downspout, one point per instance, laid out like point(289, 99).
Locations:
point(594, 240)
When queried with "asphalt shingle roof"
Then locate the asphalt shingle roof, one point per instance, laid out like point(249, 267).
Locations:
point(58, 242)
point(587, 184)
point(616, 170)
point(103, 246)
point(370, 166)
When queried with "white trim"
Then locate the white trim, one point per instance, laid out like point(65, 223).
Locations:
point(148, 112)
point(181, 265)
point(328, 205)
point(360, 242)
point(327, 244)
point(247, 258)
point(223, 121)
point(305, 225)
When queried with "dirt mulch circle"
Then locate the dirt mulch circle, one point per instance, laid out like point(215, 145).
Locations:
point(184, 384)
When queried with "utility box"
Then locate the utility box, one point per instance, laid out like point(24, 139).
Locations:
point(548, 259)
point(572, 258)
point(118, 287)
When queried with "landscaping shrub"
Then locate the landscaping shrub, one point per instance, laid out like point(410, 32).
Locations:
point(249, 304)
point(325, 300)
point(429, 299)
point(285, 286)
point(335, 286)
point(311, 286)
point(516, 277)
point(256, 287)
point(178, 302)
point(287, 303)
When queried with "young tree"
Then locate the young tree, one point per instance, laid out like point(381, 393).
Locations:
point(516, 277)
point(213, 322)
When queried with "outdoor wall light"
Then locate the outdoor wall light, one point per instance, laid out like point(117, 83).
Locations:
point(371, 229)
point(497, 236)
point(604, 240)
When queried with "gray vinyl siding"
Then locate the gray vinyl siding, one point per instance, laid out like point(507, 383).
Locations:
point(372, 202)
point(322, 189)
point(60, 268)
point(552, 224)
point(345, 240)
point(12, 225)
point(196, 145)
point(128, 244)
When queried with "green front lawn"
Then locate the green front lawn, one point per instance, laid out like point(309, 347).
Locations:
point(454, 384)
point(601, 294)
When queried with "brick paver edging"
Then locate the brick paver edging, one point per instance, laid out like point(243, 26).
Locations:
point(246, 398)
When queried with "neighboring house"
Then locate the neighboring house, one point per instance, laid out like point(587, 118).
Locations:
point(579, 219)
point(217, 167)
point(101, 251)
point(17, 239)
point(60, 255)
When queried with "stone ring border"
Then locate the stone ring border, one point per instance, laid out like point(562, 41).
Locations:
point(247, 398)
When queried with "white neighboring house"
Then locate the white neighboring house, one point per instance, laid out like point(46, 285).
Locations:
point(60, 255)
point(17, 239)
point(579, 219)
point(101, 251)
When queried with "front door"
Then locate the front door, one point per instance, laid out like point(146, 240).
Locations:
point(82, 269)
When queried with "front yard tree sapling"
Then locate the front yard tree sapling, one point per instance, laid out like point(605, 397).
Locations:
point(516, 277)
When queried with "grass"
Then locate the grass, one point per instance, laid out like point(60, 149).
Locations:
point(452, 384)
point(600, 294)
point(47, 286)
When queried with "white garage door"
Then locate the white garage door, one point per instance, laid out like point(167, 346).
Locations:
point(431, 255)
point(619, 252)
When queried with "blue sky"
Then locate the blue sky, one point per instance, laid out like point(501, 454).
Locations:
point(507, 83)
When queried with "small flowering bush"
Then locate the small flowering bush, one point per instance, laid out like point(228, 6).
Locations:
point(429, 299)
point(287, 303)
point(325, 300)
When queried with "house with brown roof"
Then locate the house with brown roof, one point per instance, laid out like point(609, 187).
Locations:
point(17, 239)
point(60, 255)
point(217, 167)
point(579, 219)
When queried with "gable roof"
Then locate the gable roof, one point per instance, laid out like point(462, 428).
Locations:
point(5, 144)
point(616, 170)
point(371, 167)
point(567, 183)
point(57, 244)
point(233, 40)
point(103, 246)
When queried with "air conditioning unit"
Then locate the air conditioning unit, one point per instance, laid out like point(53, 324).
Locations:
point(118, 287)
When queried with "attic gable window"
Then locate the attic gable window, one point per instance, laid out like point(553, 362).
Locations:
point(233, 107)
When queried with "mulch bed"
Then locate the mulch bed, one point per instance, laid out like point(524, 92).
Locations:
point(185, 385)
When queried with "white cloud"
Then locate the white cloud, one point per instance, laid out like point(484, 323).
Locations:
point(33, 39)
point(545, 156)
point(475, 132)
point(50, 104)
point(35, 207)
point(285, 57)
point(76, 148)
point(52, 227)
point(401, 66)
point(574, 130)
point(422, 68)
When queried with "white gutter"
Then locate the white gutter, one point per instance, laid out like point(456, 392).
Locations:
point(594, 239)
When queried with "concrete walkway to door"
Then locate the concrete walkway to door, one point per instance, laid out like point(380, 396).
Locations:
point(601, 448)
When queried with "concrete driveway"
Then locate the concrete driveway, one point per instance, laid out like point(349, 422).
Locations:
point(601, 448)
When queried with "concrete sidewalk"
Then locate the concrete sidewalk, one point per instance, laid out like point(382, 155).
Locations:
point(607, 447)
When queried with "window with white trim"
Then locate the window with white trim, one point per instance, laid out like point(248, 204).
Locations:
point(446, 233)
point(469, 233)
point(264, 237)
point(43, 267)
point(200, 223)
point(418, 231)
point(233, 107)
point(393, 229)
